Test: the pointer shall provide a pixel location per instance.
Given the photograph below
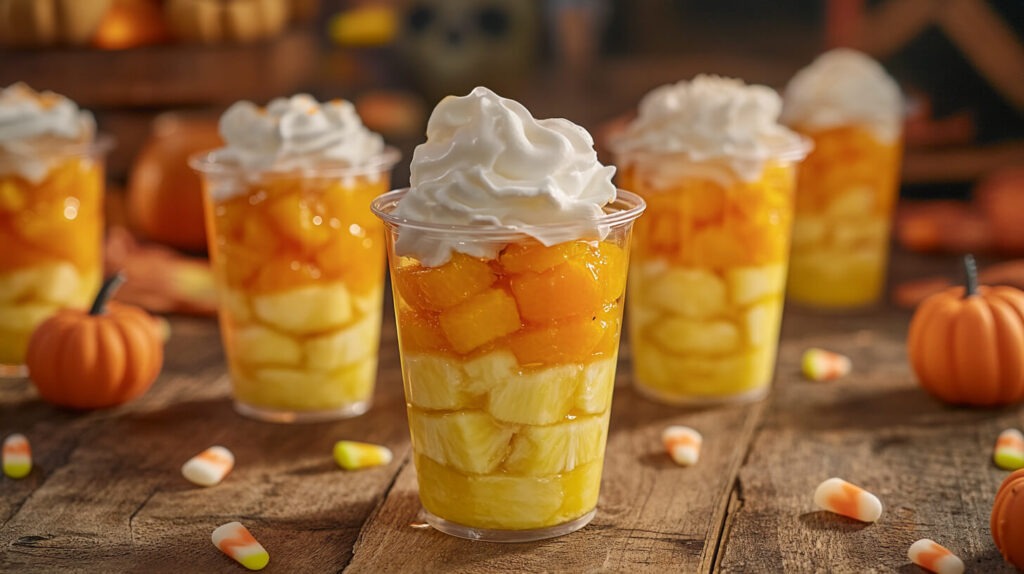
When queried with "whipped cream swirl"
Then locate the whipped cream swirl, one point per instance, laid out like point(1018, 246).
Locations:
point(711, 119)
point(843, 87)
point(296, 133)
point(36, 128)
point(487, 162)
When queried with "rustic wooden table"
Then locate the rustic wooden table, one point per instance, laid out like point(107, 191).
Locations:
point(106, 494)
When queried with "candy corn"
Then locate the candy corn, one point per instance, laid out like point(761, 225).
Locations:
point(682, 444)
point(837, 495)
point(208, 467)
point(822, 365)
point(352, 455)
point(934, 557)
point(1009, 453)
point(17, 456)
point(235, 540)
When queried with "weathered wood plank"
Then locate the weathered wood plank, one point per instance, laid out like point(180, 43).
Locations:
point(928, 463)
point(107, 494)
point(652, 516)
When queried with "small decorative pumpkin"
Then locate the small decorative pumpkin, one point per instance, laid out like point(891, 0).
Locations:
point(966, 344)
point(96, 359)
point(1007, 521)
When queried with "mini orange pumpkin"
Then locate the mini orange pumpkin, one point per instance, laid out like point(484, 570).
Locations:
point(966, 344)
point(96, 359)
point(1007, 521)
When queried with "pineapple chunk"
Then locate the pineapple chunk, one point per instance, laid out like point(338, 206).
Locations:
point(750, 284)
point(860, 233)
point(479, 320)
point(762, 322)
point(469, 441)
point(304, 390)
point(704, 376)
point(256, 345)
point(686, 336)
point(808, 231)
point(305, 310)
point(499, 502)
point(345, 345)
point(690, 292)
point(580, 488)
point(370, 302)
point(236, 305)
point(489, 371)
point(537, 397)
point(434, 382)
point(300, 218)
point(57, 283)
point(854, 203)
point(571, 289)
point(554, 449)
point(594, 393)
point(24, 317)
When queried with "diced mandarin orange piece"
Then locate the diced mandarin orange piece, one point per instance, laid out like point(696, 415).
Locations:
point(238, 265)
point(608, 346)
point(447, 285)
point(283, 273)
point(299, 217)
point(351, 204)
point(420, 332)
point(566, 341)
point(706, 202)
point(13, 194)
point(358, 261)
point(17, 252)
point(717, 247)
point(567, 290)
point(611, 270)
point(536, 257)
point(480, 319)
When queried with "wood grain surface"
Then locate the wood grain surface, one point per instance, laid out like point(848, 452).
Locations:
point(106, 494)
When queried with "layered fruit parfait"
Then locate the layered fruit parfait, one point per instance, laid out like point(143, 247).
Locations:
point(298, 256)
point(709, 257)
point(508, 259)
point(852, 110)
point(51, 213)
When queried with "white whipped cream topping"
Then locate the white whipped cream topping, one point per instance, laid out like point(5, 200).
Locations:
point(711, 119)
point(36, 128)
point(297, 133)
point(488, 162)
point(844, 87)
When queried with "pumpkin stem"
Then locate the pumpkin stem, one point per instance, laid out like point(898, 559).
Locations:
point(971, 273)
point(110, 286)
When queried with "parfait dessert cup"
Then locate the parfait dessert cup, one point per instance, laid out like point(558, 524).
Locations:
point(51, 215)
point(508, 257)
point(847, 187)
point(708, 263)
point(508, 364)
point(299, 263)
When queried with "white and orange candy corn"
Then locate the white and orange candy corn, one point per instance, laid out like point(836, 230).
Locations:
point(934, 557)
point(682, 444)
point(209, 467)
point(237, 542)
point(352, 455)
point(1009, 453)
point(17, 456)
point(822, 365)
point(837, 495)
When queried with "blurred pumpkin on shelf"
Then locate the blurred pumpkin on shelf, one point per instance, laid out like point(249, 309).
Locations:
point(37, 23)
point(131, 24)
point(217, 21)
point(165, 202)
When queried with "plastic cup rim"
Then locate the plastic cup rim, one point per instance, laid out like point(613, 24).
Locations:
point(624, 209)
point(214, 162)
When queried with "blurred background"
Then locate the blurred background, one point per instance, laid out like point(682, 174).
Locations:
point(157, 74)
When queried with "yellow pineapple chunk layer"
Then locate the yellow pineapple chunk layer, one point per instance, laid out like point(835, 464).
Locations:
point(306, 310)
point(682, 336)
point(344, 346)
point(697, 376)
point(594, 392)
point(508, 502)
point(469, 441)
point(257, 345)
point(690, 292)
point(554, 449)
point(303, 389)
point(57, 282)
point(481, 319)
point(539, 397)
point(435, 382)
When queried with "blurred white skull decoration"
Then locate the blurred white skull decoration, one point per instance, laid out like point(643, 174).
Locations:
point(451, 46)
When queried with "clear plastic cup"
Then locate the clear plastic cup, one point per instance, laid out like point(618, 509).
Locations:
point(508, 364)
point(299, 264)
point(51, 240)
point(846, 191)
point(707, 275)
